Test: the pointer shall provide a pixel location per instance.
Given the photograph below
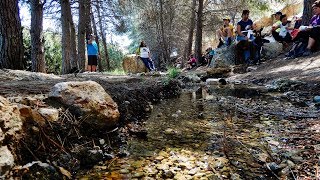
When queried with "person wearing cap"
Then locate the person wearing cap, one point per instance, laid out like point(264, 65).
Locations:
point(225, 34)
point(244, 26)
point(93, 54)
point(276, 26)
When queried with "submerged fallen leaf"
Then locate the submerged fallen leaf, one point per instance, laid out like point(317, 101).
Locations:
point(65, 172)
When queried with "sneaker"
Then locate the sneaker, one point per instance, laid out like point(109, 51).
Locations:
point(307, 52)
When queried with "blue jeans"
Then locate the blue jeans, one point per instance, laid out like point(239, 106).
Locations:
point(147, 63)
point(242, 38)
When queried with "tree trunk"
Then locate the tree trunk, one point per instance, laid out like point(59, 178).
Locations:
point(103, 36)
point(84, 20)
point(11, 41)
point(188, 48)
point(199, 26)
point(307, 11)
point(74, 59)
point(95, 31)
point(66, 37)
point(37, 41)
point(164, 40)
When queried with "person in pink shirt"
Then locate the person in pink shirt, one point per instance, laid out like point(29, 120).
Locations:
point(192, 62)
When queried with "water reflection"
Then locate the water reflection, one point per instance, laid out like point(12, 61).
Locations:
point(188, 138)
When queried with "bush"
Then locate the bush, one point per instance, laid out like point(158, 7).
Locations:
point(173, 72)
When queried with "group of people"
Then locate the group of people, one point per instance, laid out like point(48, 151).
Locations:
point(142, 52)
point(282, 31)
point(244, 34)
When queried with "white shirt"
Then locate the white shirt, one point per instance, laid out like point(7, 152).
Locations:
point(283, 30)
point(144, 52)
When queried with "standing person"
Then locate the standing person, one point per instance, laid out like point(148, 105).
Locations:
point(244, 27)
point(225, 34)
point(276, 26)
point(93, 54)
point(144, 53)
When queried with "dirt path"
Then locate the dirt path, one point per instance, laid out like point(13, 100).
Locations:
point(305, 68)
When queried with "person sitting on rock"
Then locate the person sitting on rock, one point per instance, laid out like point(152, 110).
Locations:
point(143, 53)
point(308, 36)
point(314, 29)
point(244, 48)
point(192, 62)
point(284, 35)
point(276, 26)
point(225, 34)
point(244, 27)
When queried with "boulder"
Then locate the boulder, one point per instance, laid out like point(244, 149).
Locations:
point(87, 100)
point(271, 50)
point(224, 56)
point(133, 64)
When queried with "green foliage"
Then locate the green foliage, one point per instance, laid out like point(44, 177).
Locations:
point(171, 74)
point(53, 50)
point(115, 56)
point(27, 47)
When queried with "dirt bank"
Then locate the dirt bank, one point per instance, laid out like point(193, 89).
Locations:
point(304, 69)
point(67, 143)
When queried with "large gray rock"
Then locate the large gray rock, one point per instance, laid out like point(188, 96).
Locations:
point(271, 50)
point(88, 100)
point(224, 56)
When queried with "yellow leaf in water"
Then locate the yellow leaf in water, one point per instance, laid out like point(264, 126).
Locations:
point(65, 172)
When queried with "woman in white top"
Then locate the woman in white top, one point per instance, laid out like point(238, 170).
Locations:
point(144, 53)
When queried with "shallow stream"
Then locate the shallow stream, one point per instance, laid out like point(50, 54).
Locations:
point(221, 132)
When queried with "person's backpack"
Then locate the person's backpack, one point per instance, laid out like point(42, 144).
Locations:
point(297, 50)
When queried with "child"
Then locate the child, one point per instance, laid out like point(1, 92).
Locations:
point(284, 35)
